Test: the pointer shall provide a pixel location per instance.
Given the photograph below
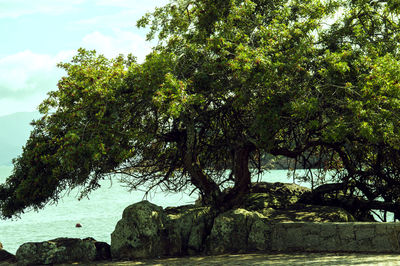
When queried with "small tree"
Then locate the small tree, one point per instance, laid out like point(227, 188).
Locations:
point(229, 82)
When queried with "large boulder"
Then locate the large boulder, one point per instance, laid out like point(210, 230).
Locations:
point(103, 249)
point(59, 250)
point(139, 233)
point(6, 257)
point(239, 230)
point(147, 230)
point(186, 229)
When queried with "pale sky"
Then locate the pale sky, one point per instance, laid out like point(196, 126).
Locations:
point(38, 34)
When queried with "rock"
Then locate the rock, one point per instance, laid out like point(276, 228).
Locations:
point(279, 202)
point(6, 257)
point(186, 229)
point(103, 249)
point(273, 195)
point(1, 245)
point(147, 230)
point(139, 233)
point(59, 250)
point(239, 230)
point(308, 213)
point(336, 194)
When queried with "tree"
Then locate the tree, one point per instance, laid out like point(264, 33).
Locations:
point(229, 82)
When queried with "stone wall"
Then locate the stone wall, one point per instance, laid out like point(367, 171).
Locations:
point(336, 237)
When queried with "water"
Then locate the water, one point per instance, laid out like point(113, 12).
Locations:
point(97, 215)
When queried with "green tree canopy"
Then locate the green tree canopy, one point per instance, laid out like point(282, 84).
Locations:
point(229, 82)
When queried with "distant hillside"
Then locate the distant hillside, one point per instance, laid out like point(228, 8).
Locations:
point(14, 132)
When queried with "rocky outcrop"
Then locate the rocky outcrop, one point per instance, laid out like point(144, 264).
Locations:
point(186, 229)
point(61, 250)
point(103, 250)
point(147, 230)
point(279, 202)
point(307, 213)
point(337, 195)
point(273, 195)
point(239, 231)
point(139, 233)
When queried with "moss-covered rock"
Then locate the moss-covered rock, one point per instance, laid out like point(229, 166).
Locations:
point(273, 195)
point(279, 202)
point(307, 213)
point(59, 250)
point(147, 230)
point(239, 230)
point(103, 249)
point(139, 233)
point(187, 228)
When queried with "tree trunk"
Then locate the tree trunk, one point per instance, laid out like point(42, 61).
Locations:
point(242, 177)
point(209, 190)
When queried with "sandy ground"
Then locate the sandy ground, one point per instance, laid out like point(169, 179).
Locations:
point(280, 259)
point(320, 259)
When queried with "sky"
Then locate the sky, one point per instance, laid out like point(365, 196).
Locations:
point(36, 35)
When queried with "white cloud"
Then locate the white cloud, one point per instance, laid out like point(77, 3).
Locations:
point(18, 8)
point(121, 42)
point(25, 79)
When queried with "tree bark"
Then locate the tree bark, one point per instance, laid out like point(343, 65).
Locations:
point(242, 177)
point(209, 190)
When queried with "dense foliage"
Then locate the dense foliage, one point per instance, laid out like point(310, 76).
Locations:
point(229, 82)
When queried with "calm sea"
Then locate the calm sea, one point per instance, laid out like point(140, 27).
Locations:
point(98, 215)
